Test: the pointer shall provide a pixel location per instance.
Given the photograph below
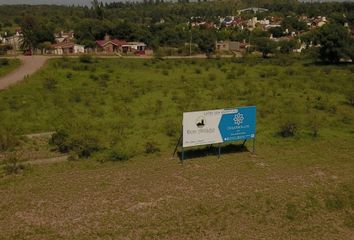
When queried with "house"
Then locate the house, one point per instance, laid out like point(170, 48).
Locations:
point(14, 41)
point(319, 22)
point(108, 45)
point(64, 36)
point(225, 46)
point(67, 48)
point(134, 47)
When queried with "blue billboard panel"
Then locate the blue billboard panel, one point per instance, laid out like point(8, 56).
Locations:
point(238, 124)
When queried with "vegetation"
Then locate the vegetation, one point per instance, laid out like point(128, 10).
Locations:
point(166, 26)
point(126, 113)
point(7, 65)
point(135, 106)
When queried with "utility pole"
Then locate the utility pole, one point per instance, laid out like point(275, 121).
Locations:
point(190, 42)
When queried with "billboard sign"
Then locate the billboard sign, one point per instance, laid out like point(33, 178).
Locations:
point(218, 126)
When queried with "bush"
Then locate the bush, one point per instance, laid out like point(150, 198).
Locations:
point(241, 71)
point(212, 77)
point(80, 143)
point(50, 83)
point(8, 140)
point(165, 72)
point(119, 153)
point(289, 71)
point(288, 129)
point(86, 59)
point(151, 147)
point(12, 165)
point(69, 75)
point(315, 124)
point(350, 97)
point(321, 103)
point(230, 75)
point(60, 140)
point(4, 62)
point(198, 71)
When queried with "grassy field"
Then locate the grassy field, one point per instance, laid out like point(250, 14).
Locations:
point(7, 65)
point(300, 187)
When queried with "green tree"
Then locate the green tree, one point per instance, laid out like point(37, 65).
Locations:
point(206, 41)
point(29, 27)
point(292, 23)
point(265, 46)
point(335, 43)
point(276, 32)
point(287, 46)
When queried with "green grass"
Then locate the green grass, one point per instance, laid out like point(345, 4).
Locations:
point(8, 65)
point(299, 187)
point(132, 102)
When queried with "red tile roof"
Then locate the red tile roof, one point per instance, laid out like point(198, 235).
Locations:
point(116, 42)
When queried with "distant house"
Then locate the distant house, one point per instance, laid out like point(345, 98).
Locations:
point(226, 46)
point(109, 45)
point(64, 36)
point(14, 41)
point(67, 48)
point(134, 47)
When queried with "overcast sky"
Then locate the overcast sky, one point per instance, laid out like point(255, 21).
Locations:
point(62, 2)
point(85, 2)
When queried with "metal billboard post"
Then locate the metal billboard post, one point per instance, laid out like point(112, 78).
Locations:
point(219, 151)
point(254, 145)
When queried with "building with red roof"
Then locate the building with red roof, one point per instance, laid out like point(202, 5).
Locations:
point(109, 45)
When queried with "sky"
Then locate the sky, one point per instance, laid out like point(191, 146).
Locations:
point(59, 2)
point(83, 2)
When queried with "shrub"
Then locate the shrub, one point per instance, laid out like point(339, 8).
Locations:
point(350, 97)
point(320, 103)
point(241, 71)
point(212, 77)
point(80, 143)
point(151, 147)
point(12, 165)
point(230, 75)
point(69, 75)
point(289, 71)
point(50, 83)
point(8, 140)
point(86, 58)
point(291, 211)
point(327, 70)
point(288, 128)
point(119, 153)
point(93, 77)
point(104, 77)
point(198, 71)
point(4, 62)
point(315, 124)
point(165, 72)
point(60, 140)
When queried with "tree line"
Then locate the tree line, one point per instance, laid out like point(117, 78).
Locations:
point(165, 24)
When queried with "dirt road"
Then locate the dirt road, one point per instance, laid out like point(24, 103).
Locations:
point(29, 65)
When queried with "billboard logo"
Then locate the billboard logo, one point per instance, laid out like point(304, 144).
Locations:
point(238, 118)
point(200, 122)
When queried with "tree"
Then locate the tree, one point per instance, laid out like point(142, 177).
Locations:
point(98, 8)
point(292, 23)
point(287, 46)
point(335, 43)
point(276, 32)
point(206, 41)
point(265, 46)
point(29, 27)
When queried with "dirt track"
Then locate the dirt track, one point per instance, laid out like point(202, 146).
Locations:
point(29, 65)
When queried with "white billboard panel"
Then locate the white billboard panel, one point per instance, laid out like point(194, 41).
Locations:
point(201, 128)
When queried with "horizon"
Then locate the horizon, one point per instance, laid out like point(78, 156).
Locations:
point(88, 2)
